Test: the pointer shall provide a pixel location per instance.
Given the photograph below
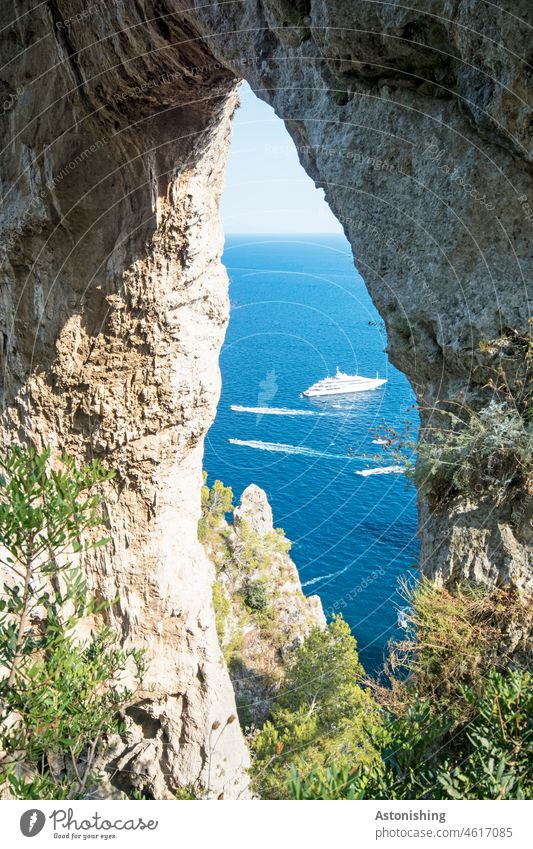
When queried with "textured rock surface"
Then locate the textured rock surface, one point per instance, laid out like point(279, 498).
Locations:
point(114, 306)
point(255, 510)
point(258, 642)
point(415, 120)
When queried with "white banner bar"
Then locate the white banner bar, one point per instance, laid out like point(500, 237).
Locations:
point(256, 824)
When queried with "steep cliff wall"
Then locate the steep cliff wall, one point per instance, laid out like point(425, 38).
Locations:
point(114, 127)
point(113, 309)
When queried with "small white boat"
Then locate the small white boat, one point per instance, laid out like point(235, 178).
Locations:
point(343, 384)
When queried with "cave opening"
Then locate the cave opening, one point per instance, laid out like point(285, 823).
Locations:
point(298, 310)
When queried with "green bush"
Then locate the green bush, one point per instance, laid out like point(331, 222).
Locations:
point(221, 604)
point(492, 447)
point(216, 502)
point(303, 7)
point(255, 595)
point(452, 725)
point(321, 716)
point(466, 449)
point(59, 694)
point(454, 639)
point(425, 756)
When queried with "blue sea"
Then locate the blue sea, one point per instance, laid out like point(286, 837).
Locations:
point(299, 309)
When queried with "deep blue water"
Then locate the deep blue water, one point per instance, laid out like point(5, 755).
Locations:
point(299, 310)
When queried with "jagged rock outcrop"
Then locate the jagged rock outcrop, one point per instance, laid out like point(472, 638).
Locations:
point(254, 509)
point(416, 121)
point(262, 612)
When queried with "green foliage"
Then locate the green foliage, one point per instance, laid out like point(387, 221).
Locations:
point(454, 727)
point(59, 694)
point(255, 595)
point(320, 716)
point(339, 92)
point(424, 755)
point(276, 541)
point(221, 604)
point(466, 448)
point(216, 501)
point(186, 794)
point(254, 552)
point(492, 448)
point(454, 640)
point(303, 7)
point(244, 558)
point(334, 783)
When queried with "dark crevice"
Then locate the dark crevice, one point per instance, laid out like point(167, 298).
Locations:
point(62, 35)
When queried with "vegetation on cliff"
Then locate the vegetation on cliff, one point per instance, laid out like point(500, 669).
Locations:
point(472, 447)
point(449, 717)
point(60, 691)
point(260, 609)
point(322, 714)
point(456, 714)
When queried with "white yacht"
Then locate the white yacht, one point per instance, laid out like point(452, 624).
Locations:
point(343, 384)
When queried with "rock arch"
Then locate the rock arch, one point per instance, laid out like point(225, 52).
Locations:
point(115, 125)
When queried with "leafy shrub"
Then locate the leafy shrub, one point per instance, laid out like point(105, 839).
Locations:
point(468, 449)
point(255, 595)
point(454, 639)
point(493, 447)
point(334, 783)
point(422, 758)
point(303, 7)
point(452, 725)
point(59, 694)
point(216, 502)
point(320, 716)
point(509, 362)
point(221, 604)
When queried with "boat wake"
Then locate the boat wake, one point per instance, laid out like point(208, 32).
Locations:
point(282, 448)
point(272, 411)
point(381, 470)
point(324, 577)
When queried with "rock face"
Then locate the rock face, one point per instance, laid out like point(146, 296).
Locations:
point(113, 308)
point(414, 119)
point(262, 611)
point(255, 510)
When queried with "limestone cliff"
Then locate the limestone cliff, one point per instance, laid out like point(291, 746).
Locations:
point(261, 610)
point(115, 122)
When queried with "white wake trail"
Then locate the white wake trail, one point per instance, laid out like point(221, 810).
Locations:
point(382, 470)
point(324, 577)
point(271, 411)
point(282, 448)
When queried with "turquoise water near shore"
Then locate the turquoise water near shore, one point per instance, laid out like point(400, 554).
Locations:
point(299, 310)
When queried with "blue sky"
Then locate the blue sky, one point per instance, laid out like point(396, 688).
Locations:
point(266, 188)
